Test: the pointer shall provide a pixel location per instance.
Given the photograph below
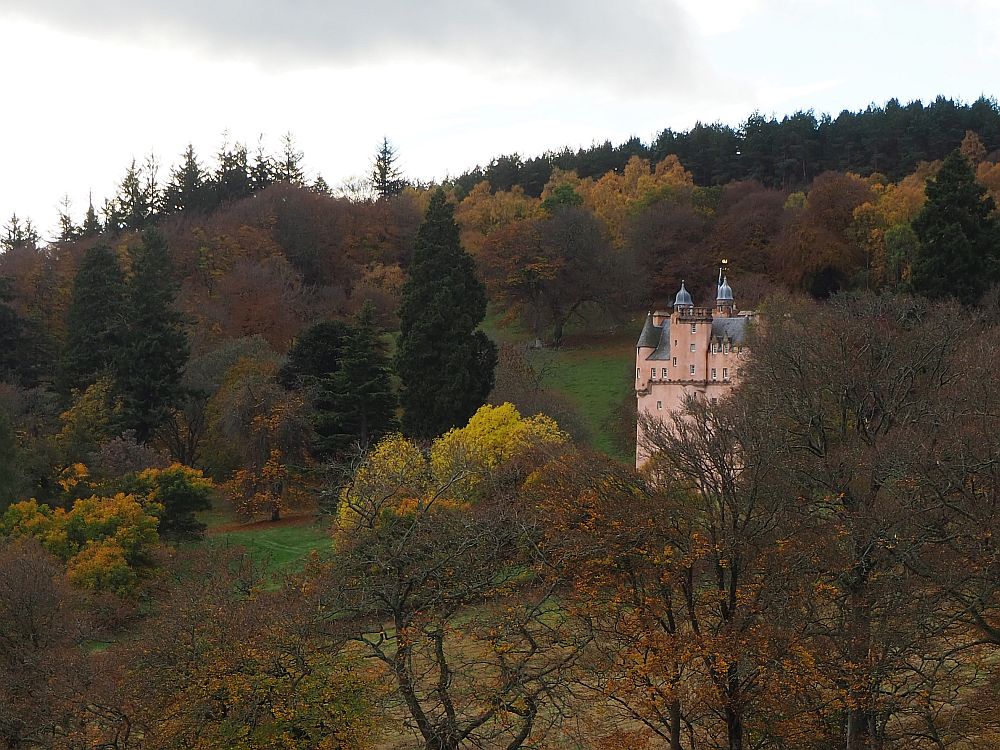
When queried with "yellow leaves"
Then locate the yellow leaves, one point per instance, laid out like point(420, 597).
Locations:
point(103, 540)
point(494, 435)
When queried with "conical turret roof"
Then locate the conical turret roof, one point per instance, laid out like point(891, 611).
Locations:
point(650, 336)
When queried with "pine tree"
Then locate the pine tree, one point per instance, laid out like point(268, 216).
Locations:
point(289, 168)
point(360, 390)
point(386, 177)
point(189, 188)
point(155, 349)
point(346, 370)
point(959, 253)
point(95, 322)
point(263, 171)
point(445, 364)
point(12, 335)
point(18, 234)
point(91, 224)
point(67, 229)
point(232, 177)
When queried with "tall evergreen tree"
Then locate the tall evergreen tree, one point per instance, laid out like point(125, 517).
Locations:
point(12, 335)
point(445, 364)
point(189, 188)
point(959, 252)
point(360, 389)
point(346, 370)
point(95, 325)
point(67, 229)
point(263, 172)
point(91, 224)
point(156, 348)
point(232, 176)
point(289, 167)
point(386, 177)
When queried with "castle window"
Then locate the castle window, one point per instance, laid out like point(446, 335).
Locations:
point(715, 348)
point(664, 373)
point(725, 373)
point(725, 348)
point(659, 405)
point(692, 347)
point(636, 373)
point(713, 374)
point(692, 369)
point(674, 362)
point(652, 373)
point(694, 328)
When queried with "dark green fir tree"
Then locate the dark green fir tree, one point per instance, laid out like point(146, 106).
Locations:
point(12, 334)
point(959, 251)
point(189, 188)
point(155, 351)
point(95, 325)
point(346, 371)
point(445, 363)
point(360, 390)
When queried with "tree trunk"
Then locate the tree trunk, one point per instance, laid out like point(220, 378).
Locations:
point(675, 725)
point(734, 729)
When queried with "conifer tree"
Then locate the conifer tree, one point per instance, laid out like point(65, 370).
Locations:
point(386, 177)
point(95, 323)
point(91, 224)
point(188, 189)
point(959, 253)
point(12, 333)
point(445, 364)
point(360, 389)
point(346, 370)
point(156, 348)
point(232, 176)
point(289, 167)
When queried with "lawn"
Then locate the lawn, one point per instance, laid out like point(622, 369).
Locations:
point(593, 368)
point(285, 544)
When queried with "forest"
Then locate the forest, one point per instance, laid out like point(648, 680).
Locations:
point(286, 465)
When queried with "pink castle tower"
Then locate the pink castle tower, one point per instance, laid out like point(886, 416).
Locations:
point(694, 352)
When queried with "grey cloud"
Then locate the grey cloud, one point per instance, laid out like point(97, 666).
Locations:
point(628, 44)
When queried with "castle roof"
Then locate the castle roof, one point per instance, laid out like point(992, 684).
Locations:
point(662, 350)
point(650, 336)
point(683, 298)
point(732, 328)
point(725, 293)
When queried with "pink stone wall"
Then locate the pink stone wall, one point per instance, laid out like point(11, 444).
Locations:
point(661, 396)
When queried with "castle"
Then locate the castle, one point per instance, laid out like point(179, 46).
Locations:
point(694, 352)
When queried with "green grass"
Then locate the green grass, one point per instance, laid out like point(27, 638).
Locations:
point(592, 368)
point(285, 548)
point(595, 379)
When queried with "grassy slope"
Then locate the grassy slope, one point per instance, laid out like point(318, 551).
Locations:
point(285, 544)
point(592, 369)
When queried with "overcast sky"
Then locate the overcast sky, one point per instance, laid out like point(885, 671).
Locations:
point(87, 86)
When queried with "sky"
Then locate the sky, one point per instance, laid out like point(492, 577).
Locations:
point(87, 87)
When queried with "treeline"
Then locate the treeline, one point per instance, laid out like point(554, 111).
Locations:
point(787, 153)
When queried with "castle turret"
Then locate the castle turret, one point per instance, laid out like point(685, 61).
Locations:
point(724, 301)
point(683, 298)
